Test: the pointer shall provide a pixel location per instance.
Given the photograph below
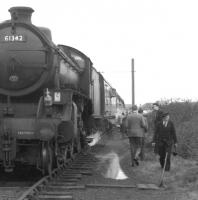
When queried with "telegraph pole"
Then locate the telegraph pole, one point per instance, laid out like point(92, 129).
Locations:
point(133, 81)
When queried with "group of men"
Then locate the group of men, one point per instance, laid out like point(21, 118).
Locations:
point(164, 137)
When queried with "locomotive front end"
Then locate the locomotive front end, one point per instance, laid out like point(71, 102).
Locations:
point(26, 65)
point(25, 54)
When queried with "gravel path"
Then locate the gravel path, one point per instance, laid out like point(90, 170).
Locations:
point(149, 171)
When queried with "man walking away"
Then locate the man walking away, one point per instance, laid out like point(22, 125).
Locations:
point(135, 124)
point(165, 137)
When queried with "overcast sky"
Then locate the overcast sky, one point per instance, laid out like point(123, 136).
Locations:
point(161, 35)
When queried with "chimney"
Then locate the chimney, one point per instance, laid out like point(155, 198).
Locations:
point(21, 14)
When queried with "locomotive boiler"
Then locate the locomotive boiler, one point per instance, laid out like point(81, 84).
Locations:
point(50, 96)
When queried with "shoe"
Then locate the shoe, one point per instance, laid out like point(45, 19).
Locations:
point(136, 161)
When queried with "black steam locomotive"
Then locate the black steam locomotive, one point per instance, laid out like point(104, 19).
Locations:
point(50, 96)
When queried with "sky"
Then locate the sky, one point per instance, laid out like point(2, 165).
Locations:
point(160, 35)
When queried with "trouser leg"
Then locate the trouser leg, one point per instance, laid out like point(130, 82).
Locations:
point(138, 146)
point(132, 149)
point(137, 152)
point(142, 150)
point(168, 162)
point(162, 154)
point(163, 149)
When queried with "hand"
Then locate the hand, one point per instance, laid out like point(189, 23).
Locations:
point(175, 145)
point(153, 144)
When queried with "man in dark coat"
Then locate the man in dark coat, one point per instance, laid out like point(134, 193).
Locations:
point(157, 114)
point(165, 137)
point(156, 120)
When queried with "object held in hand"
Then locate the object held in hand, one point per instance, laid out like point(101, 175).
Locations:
point(174, 151)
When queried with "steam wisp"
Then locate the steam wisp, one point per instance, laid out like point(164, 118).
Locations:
point(93, 139)
point(110, 165)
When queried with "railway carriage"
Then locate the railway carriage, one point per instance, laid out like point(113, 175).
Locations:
point(48, 96)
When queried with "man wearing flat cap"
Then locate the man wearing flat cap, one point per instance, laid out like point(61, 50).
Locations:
point(157, 114)
point(135, 125)
point(157, 118)
point(165, 137)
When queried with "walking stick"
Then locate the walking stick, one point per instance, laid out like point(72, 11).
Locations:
point(162, 176)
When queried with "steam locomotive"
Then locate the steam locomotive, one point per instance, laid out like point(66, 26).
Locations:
point(51, 96)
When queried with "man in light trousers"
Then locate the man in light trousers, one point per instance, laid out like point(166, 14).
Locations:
point(135, 124)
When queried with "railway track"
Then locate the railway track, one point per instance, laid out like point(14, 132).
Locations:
point(11, 193)
point(62, 181)
point(12, 185)
point(62, 184)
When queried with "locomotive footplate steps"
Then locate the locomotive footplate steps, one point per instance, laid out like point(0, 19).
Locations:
point(7, 143)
